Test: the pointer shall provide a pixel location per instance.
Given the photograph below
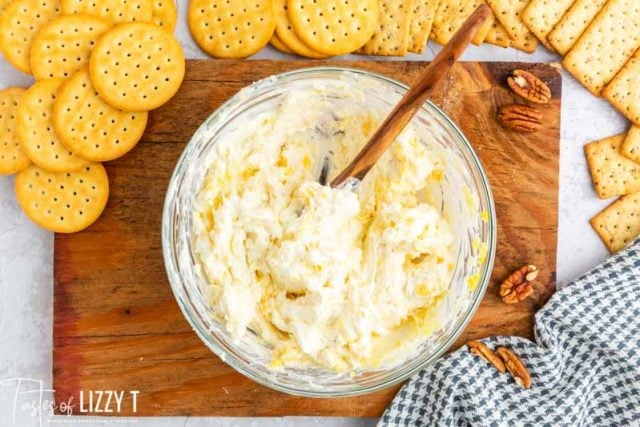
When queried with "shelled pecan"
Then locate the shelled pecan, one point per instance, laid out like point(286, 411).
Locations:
point(520, 118)
point(515, 367)
point(529, 87)
point(480, 349)
point(517, 286)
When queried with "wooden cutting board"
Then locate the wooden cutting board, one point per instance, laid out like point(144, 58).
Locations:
point(117, 326)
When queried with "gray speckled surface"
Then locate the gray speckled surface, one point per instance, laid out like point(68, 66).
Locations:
point(26, 253)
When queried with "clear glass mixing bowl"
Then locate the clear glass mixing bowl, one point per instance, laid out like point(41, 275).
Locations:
point(464, 197)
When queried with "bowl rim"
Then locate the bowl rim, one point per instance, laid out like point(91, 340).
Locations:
point(175, 279)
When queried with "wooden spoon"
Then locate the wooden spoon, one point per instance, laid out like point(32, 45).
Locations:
point(414, 99)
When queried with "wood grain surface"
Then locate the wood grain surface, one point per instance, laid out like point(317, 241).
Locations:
point(117, 326)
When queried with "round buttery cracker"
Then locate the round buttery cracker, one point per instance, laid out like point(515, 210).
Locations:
point(114, 10)
point(63, 202)
point(279, 44)
point(63, 45)
point(334, 27)
point(89, 126)
point(236, 29)
point(165, 14)
point(137, 66)
point(285, 32)
point(19, 23)
point(12, 159)
point(35, 131)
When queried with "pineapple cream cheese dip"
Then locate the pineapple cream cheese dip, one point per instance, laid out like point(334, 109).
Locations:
point(330, 278)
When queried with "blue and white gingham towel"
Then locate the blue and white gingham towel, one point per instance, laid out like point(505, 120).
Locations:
point(585, 365)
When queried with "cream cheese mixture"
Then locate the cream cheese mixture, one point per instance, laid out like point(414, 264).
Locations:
point(324, 276)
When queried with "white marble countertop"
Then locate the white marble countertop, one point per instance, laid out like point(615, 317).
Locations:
point(26, 251)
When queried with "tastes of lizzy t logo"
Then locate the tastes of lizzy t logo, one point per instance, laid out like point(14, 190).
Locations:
point(31, 399)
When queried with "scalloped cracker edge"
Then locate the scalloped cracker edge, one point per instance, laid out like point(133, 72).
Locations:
point(63, 202)
point(231, 30)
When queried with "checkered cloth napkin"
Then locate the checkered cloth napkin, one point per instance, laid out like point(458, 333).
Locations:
point(584, 365)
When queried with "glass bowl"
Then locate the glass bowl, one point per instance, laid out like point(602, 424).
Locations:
point(463, 196)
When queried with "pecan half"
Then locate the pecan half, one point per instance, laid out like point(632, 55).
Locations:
point(517, 286)
point(480, 349)
point(529, 87)
point(520, 118)
point(515, 367)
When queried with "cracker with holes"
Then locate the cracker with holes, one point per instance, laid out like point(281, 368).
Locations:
point(444, 13)
point(573, 23)
point(391, 38)
point(89, 126)
point(165, 14)
point(63, 45)
point(612, 173)
point(284, 30)
point(624, 90)
point(424, 12)
point(12, 159)
point(232, 29)
point(63, 202)
point(540, 16)
point(619, 224)
point(497, 35)
point(508, 13)
point(334, 27)
point(3, 4)
point(34, 128)
point(114, 10)
point(19, 23)
point(631, 145)
point(451, 15)
point(606, 45)
point(483, 31)
point(137, 66)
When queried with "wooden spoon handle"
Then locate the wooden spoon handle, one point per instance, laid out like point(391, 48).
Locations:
point(414, 99)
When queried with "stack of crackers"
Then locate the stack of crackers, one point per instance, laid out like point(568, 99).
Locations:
point(600, 40)
point(615, 170)
point(309, 28)
point(99, 67)
point(319, 30)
